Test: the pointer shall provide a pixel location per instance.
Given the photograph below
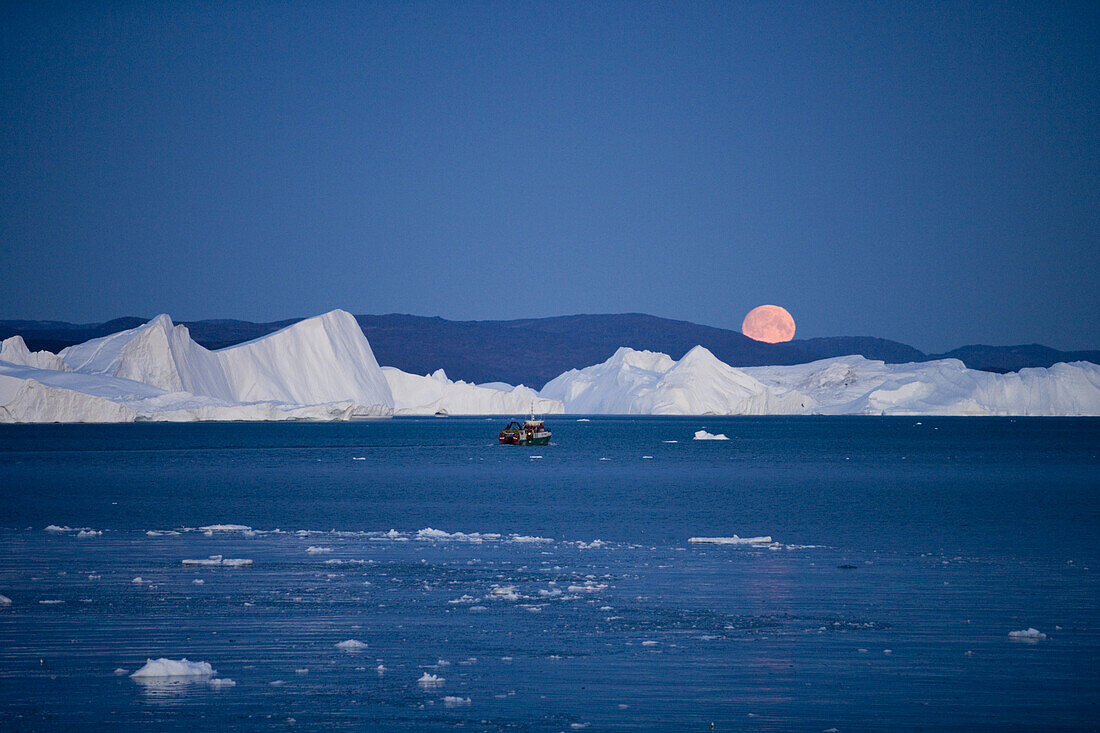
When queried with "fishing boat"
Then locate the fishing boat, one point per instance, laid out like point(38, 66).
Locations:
point(530, 432)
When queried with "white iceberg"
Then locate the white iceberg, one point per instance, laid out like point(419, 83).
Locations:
point(704, 435)
point(733, 540)
point(435, 394)
point(164, 667)
point(321, 368)
point(431, 680)
point(1028, 634)
point(351, 645)
point(643, 382)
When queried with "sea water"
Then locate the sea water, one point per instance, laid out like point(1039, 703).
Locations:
point(553, 588)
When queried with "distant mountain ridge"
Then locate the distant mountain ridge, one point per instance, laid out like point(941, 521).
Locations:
point(533, 351)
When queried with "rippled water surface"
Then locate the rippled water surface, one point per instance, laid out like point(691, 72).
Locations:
point(553, 588)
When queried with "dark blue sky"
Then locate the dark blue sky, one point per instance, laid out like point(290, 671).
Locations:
point(916, 171)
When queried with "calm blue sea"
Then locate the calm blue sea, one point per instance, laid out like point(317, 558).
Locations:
point(554, 588)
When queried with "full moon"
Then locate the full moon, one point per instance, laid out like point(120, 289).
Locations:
point(768, 323)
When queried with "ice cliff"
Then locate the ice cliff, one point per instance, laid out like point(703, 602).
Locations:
point(643, 382)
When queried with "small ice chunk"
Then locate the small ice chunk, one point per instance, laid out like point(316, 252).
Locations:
point(54, 529)
point(137, 581)
point(504, 592)
point(164, 667)
point(316, 550)
point(89, 533)
point(5, 601)
point(734, 540)
point(649, 642)
point(529, 539)
point(219, 682)
point(50, 602)
point(380, 669)
point(453, 701)
point(277, 683)
point(219, 560)
point(579, 726)
point(225, 528)
point(351, 645)
point(198, 581)
point(430, 680)
point(1028, 634)
point(704, 435)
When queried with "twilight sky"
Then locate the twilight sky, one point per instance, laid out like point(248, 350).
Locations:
point(923, 172)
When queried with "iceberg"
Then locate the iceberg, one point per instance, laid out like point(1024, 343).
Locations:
point(647, 383)
point(321, 368)
point(435, 394)
point(164, 667)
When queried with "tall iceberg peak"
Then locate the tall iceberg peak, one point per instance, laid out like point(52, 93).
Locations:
point(318, 360)
point(154, 353)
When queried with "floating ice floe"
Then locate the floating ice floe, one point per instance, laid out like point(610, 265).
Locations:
point(453, 701)
point(734, 540)
point(704, 435)
point(89, 533)
point(137, 581)
point(437, 534)
point(219, 560)
point(1028, 634)
point(225, 528)
point(316, 550)
point(430, 680)
point(351, 645)
point(219, 682)
point(165, 667)
point(5, 601)
point(504, 593)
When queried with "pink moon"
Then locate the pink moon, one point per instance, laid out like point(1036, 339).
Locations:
point(768, 323)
